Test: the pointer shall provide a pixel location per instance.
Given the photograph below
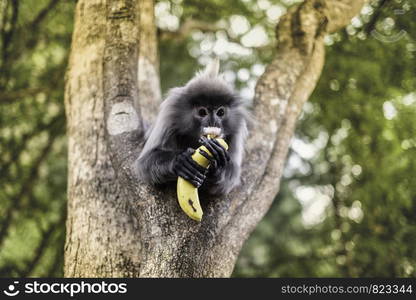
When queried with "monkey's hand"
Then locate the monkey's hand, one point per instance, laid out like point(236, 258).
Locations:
point(219, 159)
point(185, 167)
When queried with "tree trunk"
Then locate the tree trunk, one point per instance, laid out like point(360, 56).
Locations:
point(118, 227)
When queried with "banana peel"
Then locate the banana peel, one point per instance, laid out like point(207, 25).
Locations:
point(188, 194)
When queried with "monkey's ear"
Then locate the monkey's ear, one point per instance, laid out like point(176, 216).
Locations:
point(213, 68)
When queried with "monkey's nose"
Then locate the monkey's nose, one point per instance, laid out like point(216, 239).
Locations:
point(214, 123)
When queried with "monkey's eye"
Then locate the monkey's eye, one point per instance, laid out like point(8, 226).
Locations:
point(221, 112)
point(202, 112)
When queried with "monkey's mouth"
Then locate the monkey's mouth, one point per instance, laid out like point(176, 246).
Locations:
point(212, 132)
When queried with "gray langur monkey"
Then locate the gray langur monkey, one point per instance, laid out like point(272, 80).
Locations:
point(205, 101)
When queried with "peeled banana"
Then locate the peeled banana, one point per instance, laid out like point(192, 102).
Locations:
point(188, 194)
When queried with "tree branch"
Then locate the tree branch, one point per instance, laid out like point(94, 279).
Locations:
point(150, 94)
point(378, 11)
point(190, 25)
point(187, 27)
point(280, 94)
point(18, 148)
point(26, 187)
point(43, 13)
point(340, 12)
point(10, 97)
point(7, 36)
point(40, 249)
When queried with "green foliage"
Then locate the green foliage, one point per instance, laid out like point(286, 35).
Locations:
point(347, 201)
point(363, 110)
point(35, 39)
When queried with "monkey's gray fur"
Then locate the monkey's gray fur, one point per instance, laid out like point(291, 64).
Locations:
point(206, 100)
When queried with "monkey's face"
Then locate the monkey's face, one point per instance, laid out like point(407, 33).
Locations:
point(191, 124)
point(207, 104)
point(210, 116)
point(212, 109)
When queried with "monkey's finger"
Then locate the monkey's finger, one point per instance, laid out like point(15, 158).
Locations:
point(191, 168)
point(213, 165)
point(211, 149)
point(190, 151)
point(188, 157)
point(206, 155)
point(212, 162)
point(223, 150)
point(192, 174)
point(195, 165)
point(220, 152)
point(226, 154)
point(186, 176)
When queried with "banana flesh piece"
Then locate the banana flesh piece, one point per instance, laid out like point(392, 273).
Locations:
point(188, 194)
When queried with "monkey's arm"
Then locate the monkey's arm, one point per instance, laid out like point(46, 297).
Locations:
point(156, 166)
point(222, 181)
point(162, 165)
point(224, 170)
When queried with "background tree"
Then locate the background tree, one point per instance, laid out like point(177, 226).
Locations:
point(299, 237)
point(34, 42)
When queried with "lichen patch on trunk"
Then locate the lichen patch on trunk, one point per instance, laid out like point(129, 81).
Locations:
point(123, 118)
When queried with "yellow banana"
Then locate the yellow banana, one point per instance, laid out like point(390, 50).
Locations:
point(188, 194)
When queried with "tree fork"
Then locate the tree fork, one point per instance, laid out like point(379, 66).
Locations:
point(117, 226)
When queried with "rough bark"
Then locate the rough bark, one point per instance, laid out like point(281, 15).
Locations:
point(117, 226)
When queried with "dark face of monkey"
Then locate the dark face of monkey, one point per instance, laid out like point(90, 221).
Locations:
point(214, 109)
